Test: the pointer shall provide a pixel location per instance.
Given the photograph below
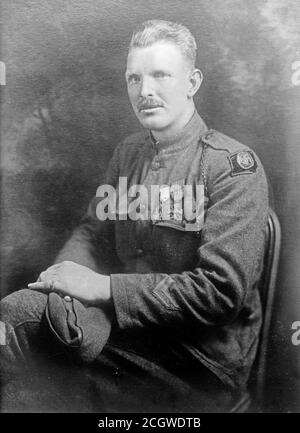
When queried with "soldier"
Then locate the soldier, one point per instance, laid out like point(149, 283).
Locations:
point(163, 314)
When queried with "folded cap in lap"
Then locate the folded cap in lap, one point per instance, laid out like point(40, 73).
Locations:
point(84, 330)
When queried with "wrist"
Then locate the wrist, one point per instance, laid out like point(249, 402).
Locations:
point(102, 290)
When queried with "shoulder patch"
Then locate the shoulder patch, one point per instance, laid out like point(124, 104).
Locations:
point(242, 163)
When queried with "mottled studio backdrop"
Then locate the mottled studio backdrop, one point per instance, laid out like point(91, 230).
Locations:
point(64, 108)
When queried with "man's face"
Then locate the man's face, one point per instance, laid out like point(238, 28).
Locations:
point(158, 81)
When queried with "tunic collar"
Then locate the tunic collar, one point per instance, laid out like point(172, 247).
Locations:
point(189, 134)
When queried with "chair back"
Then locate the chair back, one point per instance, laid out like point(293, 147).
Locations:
point(267, 286)
point(254, 397)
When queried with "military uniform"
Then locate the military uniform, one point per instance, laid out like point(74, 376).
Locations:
point(185, 298)
point(186, 311)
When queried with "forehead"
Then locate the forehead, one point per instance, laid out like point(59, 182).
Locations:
point(156, 56)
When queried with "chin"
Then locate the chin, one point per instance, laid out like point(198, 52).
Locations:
point(153, 124)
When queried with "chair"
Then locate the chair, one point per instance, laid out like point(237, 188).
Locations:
point(254, 398)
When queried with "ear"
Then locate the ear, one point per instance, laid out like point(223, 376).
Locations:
point(196, 79)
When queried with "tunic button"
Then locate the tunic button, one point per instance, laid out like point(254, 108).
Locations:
point(139, 252)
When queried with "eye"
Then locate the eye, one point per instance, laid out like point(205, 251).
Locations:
point(160, 74)
point(133, 79)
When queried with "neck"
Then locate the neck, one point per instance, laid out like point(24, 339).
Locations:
point(171, 132)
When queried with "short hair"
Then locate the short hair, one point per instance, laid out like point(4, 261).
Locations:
point(153, 31)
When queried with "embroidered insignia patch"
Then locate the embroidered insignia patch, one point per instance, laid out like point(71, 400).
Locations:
point(242, 163)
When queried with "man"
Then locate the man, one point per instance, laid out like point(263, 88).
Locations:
point(179, 293)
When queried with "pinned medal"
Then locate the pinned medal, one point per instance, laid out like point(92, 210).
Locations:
point(242, 163)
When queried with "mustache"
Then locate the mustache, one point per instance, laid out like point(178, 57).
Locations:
point(148, 103)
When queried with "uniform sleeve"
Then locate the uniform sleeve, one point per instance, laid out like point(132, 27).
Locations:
point(229, 258)
point(91, 243)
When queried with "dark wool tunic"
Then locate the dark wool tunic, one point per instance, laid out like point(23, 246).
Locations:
point(185, 297)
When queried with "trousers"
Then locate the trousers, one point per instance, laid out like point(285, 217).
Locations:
point(38, 375)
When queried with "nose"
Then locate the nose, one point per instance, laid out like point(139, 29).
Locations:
point(146, 88)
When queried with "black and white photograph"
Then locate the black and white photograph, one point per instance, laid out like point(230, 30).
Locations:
point(150, 209)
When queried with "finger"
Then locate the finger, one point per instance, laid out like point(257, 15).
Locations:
point(56, 285)
point(39, 285)
point(47, 286)
point(48, 276)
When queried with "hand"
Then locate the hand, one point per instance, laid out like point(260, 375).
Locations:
point(77, 281)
